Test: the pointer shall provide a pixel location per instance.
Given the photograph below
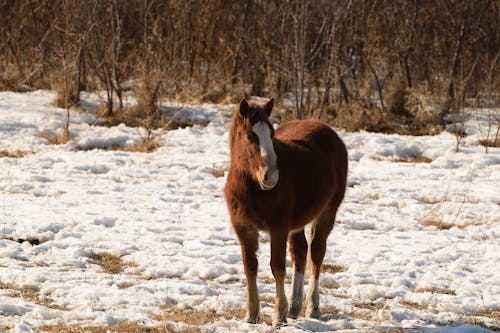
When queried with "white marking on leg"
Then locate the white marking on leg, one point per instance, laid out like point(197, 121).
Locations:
point(297, 294)
point(313, 298)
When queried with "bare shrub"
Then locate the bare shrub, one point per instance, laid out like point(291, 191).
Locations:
point(358, 116)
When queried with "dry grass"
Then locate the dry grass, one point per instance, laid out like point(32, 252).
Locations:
point(435, 290)
point(31, 294)
point(56, 139)
point(495, 143)
point(146, 145)
point(393, 330)
point(137, 116)
point(329, 285)
point(14, 154)
point(414, 305)
point(332, 268)
point(441, 225)
point(202, 317)
point(129, 327)
point(125, 285)
point(110, 263)
point(414, 159)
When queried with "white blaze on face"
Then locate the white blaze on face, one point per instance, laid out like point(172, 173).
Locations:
point(269, 174)
point(263, 132)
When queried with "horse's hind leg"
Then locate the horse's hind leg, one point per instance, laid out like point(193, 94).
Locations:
point(249, 242)
point(298, 252)
point(319, 235)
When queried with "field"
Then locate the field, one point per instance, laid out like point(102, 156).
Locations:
point(96, 236)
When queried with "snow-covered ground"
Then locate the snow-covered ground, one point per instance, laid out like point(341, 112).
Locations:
point(416, 244)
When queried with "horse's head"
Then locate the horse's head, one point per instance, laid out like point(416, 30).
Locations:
point(252, 141)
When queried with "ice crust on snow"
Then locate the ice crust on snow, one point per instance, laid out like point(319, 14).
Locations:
point(164, 214)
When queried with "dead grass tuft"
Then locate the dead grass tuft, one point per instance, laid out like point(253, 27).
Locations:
point(125, 285)
point(329, 285)
point(479, 322)
point(441, 225)
point(414, 159)
point(435, 290)
point(110, 263)
point(393, 330)
point(14, 154)
point(495, 143)
point(146, 145)
point(56, 139)
point(332, 268)
point(414, 305)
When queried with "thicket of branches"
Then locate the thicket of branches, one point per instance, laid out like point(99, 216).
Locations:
point(338, 59)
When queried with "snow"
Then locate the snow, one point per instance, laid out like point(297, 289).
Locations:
point(164, 214)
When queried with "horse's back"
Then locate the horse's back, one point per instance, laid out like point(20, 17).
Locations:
point(311, 135)
point(313, 163)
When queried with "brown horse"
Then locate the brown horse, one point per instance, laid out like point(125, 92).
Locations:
point(279, 182)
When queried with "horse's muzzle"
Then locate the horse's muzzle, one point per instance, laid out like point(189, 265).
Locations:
point(268, 178)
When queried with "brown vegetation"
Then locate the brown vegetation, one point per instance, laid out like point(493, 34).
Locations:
point(32, 294)
point(14, 154)
point(391, 66)
point(435, 290)
point(110, 263)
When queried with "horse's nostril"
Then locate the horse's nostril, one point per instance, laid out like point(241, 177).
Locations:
point(266, 176)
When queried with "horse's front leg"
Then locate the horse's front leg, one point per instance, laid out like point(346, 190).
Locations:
point(278, 263)
point(249, 242)
point(298, 251)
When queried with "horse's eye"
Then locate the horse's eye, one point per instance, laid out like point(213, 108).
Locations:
point(252, 137)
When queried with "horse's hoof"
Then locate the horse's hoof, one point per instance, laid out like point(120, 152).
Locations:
point(279, 322)
point(313, 313)
point(252, 319)
point(294, 313)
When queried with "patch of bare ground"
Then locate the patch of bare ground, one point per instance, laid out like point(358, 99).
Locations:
point(414, 159)
point(32, 294)
point(435, 290)
point(110, 263)
point(14, 154)
point(332, 268)
point(201, 317)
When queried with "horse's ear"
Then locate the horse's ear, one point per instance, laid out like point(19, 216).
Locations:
point(244, 108)
point(269, 106)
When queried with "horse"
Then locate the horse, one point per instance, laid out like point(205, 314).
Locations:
point(279, 182)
